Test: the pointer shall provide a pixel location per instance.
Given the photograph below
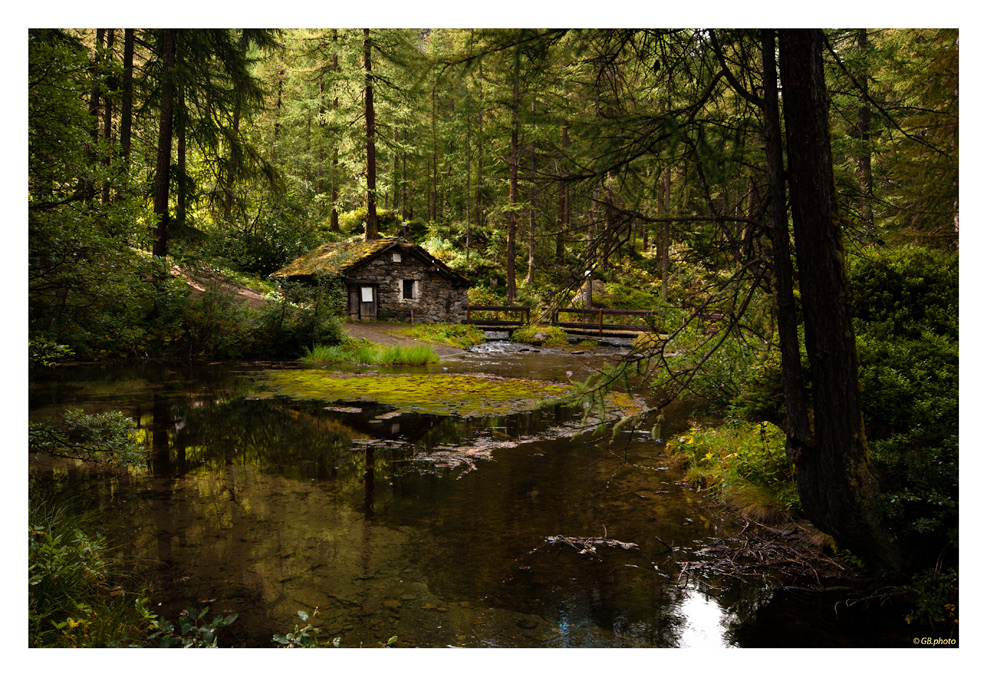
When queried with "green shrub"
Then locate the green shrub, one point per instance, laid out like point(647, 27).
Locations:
point(46, 353)
point(905, 291)
point(906, 305)
point(71, 599)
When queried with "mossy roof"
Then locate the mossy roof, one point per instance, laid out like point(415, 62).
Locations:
point(341, 257)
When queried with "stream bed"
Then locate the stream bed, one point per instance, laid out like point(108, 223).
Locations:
point(443, 531)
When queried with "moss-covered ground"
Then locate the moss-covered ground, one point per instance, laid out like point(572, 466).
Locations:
point(442, 394)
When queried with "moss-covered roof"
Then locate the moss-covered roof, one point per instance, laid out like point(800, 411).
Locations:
point(341, 257)
point(335, 257)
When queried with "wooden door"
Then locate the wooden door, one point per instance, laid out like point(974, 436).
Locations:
point(353, 305)
point(368, 302)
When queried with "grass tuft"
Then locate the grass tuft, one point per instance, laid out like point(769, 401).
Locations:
point(363, 352)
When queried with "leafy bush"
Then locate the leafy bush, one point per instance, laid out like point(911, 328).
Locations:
point(906, 304)
point(262, 246)
point(192, 630)
point(905, 292)
point(306, 636)
point(46, 353)
point(71, 599)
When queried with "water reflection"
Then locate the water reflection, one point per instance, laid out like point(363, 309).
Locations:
point(429, 528)
point(704, 622)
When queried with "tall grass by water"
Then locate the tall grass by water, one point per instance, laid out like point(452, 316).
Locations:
point(364, 352)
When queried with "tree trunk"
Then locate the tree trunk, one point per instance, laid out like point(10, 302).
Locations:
point(234, 163)
point(666, 234)
point(334, 173)
point(162, 172)
point(479, 153)
point(864, 174)
point(127, 95)
point(529, 279)
point(89, 185)
point(371, 231)
point(433, 191)
point(405, 214)
point(469, 162)
point(394, 172)
point(512, 213)
point(181, 201)
point(278, 102)
point(563, 218)
point(797, 424)
point(108, 114)
point(833, 476)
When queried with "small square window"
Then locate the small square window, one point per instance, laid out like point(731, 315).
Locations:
point(396, 257)
point(408, 289)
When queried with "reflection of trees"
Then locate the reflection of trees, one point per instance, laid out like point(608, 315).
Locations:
point(273, 436)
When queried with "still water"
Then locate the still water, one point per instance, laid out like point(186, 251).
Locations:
point(440, 531)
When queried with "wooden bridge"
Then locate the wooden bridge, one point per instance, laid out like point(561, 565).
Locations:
point(599, 322)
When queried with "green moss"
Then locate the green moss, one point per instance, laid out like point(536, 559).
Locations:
point(334, 257)
point(540, 335)
point(442, 394)
point(451, 334)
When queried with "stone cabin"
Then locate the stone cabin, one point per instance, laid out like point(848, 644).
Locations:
point(386, 279)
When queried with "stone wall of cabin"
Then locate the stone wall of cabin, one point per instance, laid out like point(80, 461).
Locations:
point(436, 298)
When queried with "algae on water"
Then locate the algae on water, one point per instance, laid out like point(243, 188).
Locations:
point(442, 394)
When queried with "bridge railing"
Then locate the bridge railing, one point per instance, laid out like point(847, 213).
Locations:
point(596, 319)
point(481, 315)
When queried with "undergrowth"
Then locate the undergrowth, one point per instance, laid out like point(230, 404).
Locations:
point(744, 464)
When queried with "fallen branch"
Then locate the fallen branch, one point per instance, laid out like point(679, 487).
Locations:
point(588, 545)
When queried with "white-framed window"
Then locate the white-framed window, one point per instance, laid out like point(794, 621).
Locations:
point(366, 294)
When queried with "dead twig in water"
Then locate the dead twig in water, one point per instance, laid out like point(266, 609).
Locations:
point(588, 545)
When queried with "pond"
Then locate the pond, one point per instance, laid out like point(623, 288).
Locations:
point(445, 531)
